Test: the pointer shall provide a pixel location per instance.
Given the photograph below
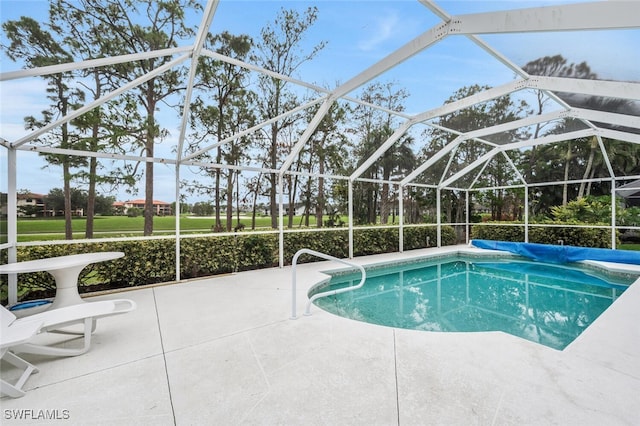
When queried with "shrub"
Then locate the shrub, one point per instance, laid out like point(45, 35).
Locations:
point(498, 232)
point(134, 212)
point(334, 243)
point(580, 237)
point(416, 237)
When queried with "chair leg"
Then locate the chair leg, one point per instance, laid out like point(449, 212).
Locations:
point(15, 390)
point(31, 348)
point(75, 333)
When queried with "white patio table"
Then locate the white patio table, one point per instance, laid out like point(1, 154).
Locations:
point(65, 270)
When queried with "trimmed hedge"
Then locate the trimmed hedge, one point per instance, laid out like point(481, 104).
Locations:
point(415, 237)
point(153, 261)
point(498, 232)
point(333, 243)
point(580, 237)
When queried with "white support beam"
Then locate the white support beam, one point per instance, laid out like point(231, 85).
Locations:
point(613, 214)
point(381, 149)
point(486, 188)
point(350, 208)
point(483, 132)
point(378, 180)
point(251, 67)
point(516, 124)
point(201, 37)
point(12, 222)
point(280, 221)
point(432, 160)
point(605, 156)
point(616, 134)
point(178, 216)
point(438, 217)
point(480, 172)
point(446, 168)
point(549, 139)
point(490, 50)
point(467, 215)
point(569, 17)
point(515, 169)
point(511, 164)
point(611, 89)
point(91, 63)
point(472, 100)
point(256, 169)
point(306, 135)
point(415, 46)
point(606, 117)
point(110, 156)
point(401, 219)
point(319, 89)
point(484, 158)
point(526, 213)
point(78, 112)
point(254, 128)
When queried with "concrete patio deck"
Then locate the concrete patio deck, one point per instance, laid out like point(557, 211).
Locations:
point(223, 351)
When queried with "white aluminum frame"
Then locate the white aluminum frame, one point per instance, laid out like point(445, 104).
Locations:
point(570, 17)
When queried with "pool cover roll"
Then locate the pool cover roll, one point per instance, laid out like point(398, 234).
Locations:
point(560, 254)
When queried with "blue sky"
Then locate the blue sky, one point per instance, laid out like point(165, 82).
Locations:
point(358, 34)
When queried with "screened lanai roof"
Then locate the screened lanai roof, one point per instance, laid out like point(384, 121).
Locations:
point(431, 48)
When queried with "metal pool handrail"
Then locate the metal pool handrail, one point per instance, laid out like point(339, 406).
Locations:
point(325, 293)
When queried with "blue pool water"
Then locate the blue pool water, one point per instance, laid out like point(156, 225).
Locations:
point(545, 303)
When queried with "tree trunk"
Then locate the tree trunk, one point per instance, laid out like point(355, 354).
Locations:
point(593, 171)
point(229, 199)
point(254, 206)
point(66, 173)
point(217, 225)
point(307, 202)
point(91, 197)
point(273, 178)
point(293, 188)
point(238, 198)
point(68, 230)
point(320, 199)
point(93, 164)
point(150, 150)
point(565, 189)
point(587, 171)
point(384, 204)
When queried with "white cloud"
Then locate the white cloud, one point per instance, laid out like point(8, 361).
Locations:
point(380, 31)
point(18, 99)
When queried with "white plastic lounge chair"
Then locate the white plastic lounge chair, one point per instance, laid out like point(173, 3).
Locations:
point(17, 333)
point(13, 335)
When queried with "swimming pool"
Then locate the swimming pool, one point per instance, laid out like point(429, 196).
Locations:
point(545, 303)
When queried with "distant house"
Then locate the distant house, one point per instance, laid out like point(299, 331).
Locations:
point(298, 209)
point(630, 192)
point(160, 208)
point(32, 205)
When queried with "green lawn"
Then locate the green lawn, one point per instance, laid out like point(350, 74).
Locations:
point(105, 226)
point(43, 229)
point(123, 224)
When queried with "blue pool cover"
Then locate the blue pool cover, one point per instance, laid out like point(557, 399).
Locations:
point(560, 254)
